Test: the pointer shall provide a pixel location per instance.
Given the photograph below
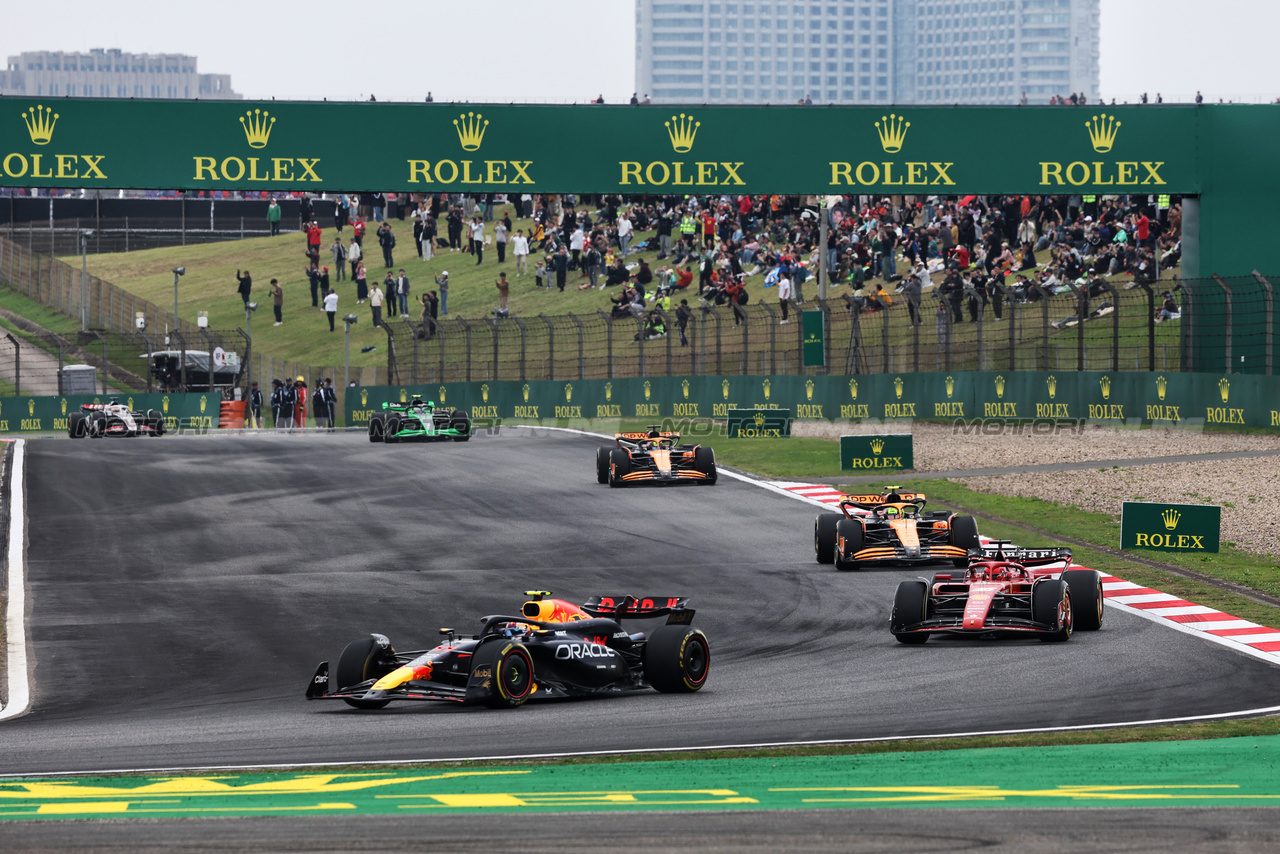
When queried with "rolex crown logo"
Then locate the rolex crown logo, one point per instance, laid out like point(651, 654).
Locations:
point(484, 393)
point(470, 128)
point(766, 385)
point(1224, 388)
point(1105, 384)
point(724, 387)
point(1102, 132)
point(1162, 385)
point(164, 404)
point(759, 419)
point(204, 401)
point(129, 401)
point(808, 389)
point(1052, 382)
point(877, 445)
point(608, 391)
point(442, 394)
point(853, 389)
point(257, 128)
point(364, 397)
point(951, 386)
point(40, 121)
point(1171, 518)
point(647, 389)
point(892, 133)
point(897, 387)
point(524, 390)
point(31, 406)
point(684, 387)
point(1000, 386)
point(682, 130)
point(64, 406)
point(568, 392)
point(404, 395)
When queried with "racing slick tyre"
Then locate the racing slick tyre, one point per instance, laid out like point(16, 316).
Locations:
point(677, 659)
point(850, 537)
point(1051, 605)
point(964, 533)
point(358, 663)
point(910, 605)
point(824, 536)
point(155, 420)
point(462, 423)
point(512, 669)
point(377, 424)
point(619, 465)
point(602, 464)
point(391, 430)
point(704, 460)
point(1085, 586)
point(77, 426)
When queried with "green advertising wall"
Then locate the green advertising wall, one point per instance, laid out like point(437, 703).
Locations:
point(1121, 399)
point(49, 414)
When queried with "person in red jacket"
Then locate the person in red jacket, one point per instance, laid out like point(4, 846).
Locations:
point(358, 227)
point(708, 229)
point(313, 242)
point(300, 408)
point(684, 277)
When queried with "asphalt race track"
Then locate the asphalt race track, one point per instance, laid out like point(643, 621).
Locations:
point(183, 590)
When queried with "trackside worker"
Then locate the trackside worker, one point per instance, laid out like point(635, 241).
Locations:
point(300, 408)
point(255, 406)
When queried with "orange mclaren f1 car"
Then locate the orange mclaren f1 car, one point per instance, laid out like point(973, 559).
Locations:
point(655, 456)
point(892, 529)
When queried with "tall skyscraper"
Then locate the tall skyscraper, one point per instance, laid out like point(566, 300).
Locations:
point(866, 51)
point(111, 74)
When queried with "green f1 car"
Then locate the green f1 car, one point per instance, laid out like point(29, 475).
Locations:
point(418, 420)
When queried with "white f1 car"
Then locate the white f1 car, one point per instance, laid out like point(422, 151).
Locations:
point(97, 420)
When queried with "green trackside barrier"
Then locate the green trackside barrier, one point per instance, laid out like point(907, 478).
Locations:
point(972, 399)
point(759, 424)
point(1228, 772)
point(1170, 527)
point(50, 414)
point(882, 452)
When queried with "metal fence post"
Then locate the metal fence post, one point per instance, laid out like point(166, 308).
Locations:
point(551, 347)
point(884, 339)
point(1115, 325)
point(17, 365)
point(1267, 343)
point(640, 339)
point(150, 350)
point(608, 321)
point(467, 329)
point(582, 357)
point(524, 335)
point(1226, 339)
point(1044, 311)
point(773, 337)
point(493, 330)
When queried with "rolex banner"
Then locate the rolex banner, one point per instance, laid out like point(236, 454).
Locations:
point(869, 454)
point(1170, 527)
point(759, 424)
point(971, 402)
point(50, 414)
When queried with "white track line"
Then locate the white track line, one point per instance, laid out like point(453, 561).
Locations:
point(15, 627)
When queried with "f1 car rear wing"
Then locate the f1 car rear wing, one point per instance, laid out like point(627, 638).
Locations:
point(1005, 550)
point(618, 607)
point(655, 434)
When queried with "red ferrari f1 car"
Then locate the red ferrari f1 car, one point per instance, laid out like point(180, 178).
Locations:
point(553, 649)
point(1003, 591)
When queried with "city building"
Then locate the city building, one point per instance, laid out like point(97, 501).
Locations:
point(866, 51)
point(111, 74)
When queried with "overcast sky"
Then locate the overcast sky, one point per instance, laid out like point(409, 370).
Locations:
point(567, 50)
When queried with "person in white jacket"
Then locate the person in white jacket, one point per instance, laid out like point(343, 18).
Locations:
point(354, 254)
point(784, 295)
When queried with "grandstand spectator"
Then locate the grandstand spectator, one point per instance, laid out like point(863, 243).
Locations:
point(273, 216)
point(277, 301)
point(375, 304)
point(246, 285)
point(339, 253)
point(387, 240)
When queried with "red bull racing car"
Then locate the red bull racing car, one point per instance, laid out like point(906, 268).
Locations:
point(655, 456)
point(552, 649)
point(1003, 591)
point(97, 420)
point(892, 529)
